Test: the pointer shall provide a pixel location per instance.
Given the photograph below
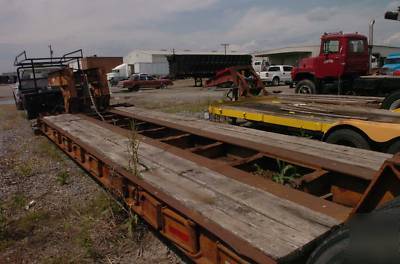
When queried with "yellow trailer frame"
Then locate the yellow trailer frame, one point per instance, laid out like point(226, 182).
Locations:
point(381, 127)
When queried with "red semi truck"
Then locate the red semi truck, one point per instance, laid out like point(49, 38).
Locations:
point(342, 67)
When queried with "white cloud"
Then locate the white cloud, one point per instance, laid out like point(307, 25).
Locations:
point(114, 27)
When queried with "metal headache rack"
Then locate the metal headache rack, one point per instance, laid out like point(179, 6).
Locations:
point(23, 63)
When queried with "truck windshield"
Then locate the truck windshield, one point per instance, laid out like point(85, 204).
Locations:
point(331, 46)
point(392, 61)
point(356, 46)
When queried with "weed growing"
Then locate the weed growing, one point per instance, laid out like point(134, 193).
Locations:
point(63, 177)
point(133, 148)
point(286, 173)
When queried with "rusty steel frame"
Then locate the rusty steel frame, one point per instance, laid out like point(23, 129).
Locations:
point(198, 238)
point(383, 188)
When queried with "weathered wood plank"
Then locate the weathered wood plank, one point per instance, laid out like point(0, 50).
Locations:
point(274, 225)
point(311, 148)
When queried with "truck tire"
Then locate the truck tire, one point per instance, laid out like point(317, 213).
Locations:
point(275, 81)
point(348, 137)
point(306, 87)
point(334, 249)
point(392, 101)
point(331, 250)
point(394, 147)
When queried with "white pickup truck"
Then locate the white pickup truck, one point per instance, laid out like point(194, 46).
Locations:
point(277, 74)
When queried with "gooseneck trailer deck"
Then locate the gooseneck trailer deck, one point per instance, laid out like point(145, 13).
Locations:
point(199, 183)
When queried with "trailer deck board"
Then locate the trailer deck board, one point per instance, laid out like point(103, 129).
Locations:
point(319, 112)
point(363, 163)
point(275, 226)
point(347, 100)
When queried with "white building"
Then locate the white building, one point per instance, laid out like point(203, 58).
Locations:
point(160, 56)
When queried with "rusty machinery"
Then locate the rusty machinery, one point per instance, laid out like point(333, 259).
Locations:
point(240, 80)
point(50, 86)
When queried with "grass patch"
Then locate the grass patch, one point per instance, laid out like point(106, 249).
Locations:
point(30, 221)
point(62, 177)
point(9, 117)
point(47, 149)
point(3, 223)
point(188, 107)
point(25, 170)
point(18, 202)
point(84, 241)
point(64, 259)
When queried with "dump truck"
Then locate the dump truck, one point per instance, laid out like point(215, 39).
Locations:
point(342, 67)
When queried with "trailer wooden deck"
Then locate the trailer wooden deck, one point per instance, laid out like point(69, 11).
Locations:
point(275, 226)
point(307, 151)
point(256, 224)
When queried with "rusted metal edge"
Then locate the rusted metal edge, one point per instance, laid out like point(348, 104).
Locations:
point(239, 245)
point(273, 152)
point(336, 211)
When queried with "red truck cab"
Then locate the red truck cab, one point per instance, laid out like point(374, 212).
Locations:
point(342, 57)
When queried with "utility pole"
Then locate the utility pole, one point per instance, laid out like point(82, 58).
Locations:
point(225, 45)
point(51, 53)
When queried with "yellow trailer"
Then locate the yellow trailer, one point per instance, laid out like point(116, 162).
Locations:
point(356, 125)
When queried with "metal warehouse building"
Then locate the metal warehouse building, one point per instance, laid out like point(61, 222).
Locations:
point(292, 55)
point(157, 59)
point(160, 56)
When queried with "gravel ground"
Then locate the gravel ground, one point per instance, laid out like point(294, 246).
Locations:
point(51, 211)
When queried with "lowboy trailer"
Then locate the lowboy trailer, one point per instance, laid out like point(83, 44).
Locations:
point(199, 184)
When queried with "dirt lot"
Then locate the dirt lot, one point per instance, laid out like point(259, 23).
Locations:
point(51, 211)
point(182, 98)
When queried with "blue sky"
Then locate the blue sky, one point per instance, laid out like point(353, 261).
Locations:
point(115, 27)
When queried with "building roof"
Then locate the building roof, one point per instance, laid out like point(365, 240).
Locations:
point(187, 52)
point(293, 49)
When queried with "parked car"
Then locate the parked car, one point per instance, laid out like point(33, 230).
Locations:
point(277, 74)
point(137, 81)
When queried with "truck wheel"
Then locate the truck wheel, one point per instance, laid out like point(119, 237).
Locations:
point(348, 137)
point(392, 101)
point(275, 81)
point(394, 148)
point(331, 250)
point(335, 248)
point(306, 87)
